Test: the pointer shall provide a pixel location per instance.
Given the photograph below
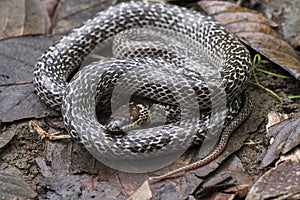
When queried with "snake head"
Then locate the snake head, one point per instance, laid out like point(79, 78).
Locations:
point(128, 117)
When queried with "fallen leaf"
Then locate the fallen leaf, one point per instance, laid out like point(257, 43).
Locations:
point(17, 98)
point(275, 118)
point(256, 31)
point(294, 156)
point(19, 18)
point(288, 12)
point(280, 182)
point(285, 136)
point(229, 178)
point(143, 193)
point(6, 135)
point(75, 13)
point(69, 164)
point(51, 6)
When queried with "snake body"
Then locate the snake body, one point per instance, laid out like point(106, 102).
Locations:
point(227, 58)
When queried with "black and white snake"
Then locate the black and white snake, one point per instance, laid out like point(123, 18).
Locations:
point(214, 75)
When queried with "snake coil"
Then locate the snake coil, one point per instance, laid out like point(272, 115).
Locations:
point(225, 55)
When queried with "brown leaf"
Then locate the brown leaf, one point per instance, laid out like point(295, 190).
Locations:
point(281, 182)
point(143, 193)
point(255, 30)
point(19, 18)
point(288, 12)
point(229, 178)
point(244, 16)
point(17, 98)
point(6, 135)
point(74, 13)
point(50, 5)
point(65, 163)
point(286, 136)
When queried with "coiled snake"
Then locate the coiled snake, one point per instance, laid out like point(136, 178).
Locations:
point(226, 67)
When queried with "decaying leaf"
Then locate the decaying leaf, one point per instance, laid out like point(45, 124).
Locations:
point(143, 193)
point(17, 98)
point(288, 12)
point(73, 13)
point(275, 118)
point(6, 134)
point(286, 136)
point(51, 6)
point(252, 28)
point(230, 178)
point(19, 18)
point(280, 182)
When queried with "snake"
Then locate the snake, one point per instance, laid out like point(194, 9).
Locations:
point(227, 62)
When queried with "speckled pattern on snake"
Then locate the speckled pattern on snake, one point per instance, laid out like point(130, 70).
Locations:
point(226, 58)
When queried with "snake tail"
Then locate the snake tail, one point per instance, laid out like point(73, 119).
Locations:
point(242, 116)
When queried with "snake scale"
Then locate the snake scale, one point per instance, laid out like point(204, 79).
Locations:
point(226, 58)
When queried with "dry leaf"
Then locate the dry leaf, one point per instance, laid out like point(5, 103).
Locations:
point(19, 18)
point(143, 193)
point(51, 6)
point(286, 137)
point(17, 98)
point(6, 135)
point(230, 178)
point(275, 118)
point(74, 13)
point(288, 12)
point(252, 28)
point(281, 182)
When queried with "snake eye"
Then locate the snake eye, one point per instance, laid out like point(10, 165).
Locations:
point(114, 126)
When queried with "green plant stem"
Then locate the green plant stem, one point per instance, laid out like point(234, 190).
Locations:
point(294, 96)
point(257, 60)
